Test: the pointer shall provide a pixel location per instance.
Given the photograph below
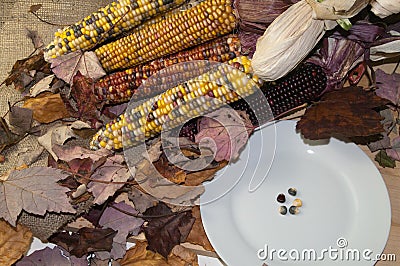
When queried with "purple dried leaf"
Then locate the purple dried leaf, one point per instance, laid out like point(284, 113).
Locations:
point(394, 152)
point(388, 86)
point(46, 257)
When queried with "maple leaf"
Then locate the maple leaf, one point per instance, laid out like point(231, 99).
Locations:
point(85, 240)
point(14, 242)
point(345, 113)
point(47, 107)
point(226, 132)
point(65, 67)
point(388, 86)
point(87, 104)
point(165, 232)
point(116, 217)
point(34, 190)
point(113, 170)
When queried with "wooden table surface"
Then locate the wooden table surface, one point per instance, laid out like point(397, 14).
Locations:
point(392, 180)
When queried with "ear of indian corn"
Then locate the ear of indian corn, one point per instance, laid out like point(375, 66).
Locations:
point(178, 31)
point(302, 85)
point(109, 21)
point(222, 85)
point(121, 86)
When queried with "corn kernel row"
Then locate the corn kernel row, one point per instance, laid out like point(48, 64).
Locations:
point(117, 17)
point(223, 85)
point(178, 31)
point(121, 86)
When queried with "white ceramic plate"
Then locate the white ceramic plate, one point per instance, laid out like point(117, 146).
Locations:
point(346, 207)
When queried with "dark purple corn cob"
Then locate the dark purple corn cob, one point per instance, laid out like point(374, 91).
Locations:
point(303, 85)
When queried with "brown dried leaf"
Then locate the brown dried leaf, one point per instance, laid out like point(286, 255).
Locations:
point(14, 242)
point(85, 240)
point(182, 256)
point(167, 231)
point(35, 38)
point(20, 119)
point(197, 178)
point(345, 113)
point(197, 235)
point(47, 107)
point(140, 256)
point(21, 70)
point(6, 136)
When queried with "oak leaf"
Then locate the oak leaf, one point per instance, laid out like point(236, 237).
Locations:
point(346, 113)
point(14, 242)
point(34, 190)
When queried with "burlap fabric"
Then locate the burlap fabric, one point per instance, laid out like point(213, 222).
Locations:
point(14, 20)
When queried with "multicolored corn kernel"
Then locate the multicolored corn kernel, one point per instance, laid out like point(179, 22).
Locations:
point(109, 21)
point(178, 31)
point(223, 84)
point(121, 86)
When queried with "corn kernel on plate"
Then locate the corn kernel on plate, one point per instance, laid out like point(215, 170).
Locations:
point(341, 191)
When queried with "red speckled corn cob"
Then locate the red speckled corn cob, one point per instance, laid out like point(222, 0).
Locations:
point(121, 86)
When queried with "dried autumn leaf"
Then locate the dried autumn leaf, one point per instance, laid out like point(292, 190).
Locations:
point(345, 113)
point(14, 242)
point(35, 8)
point(6, 136)
point(85, 240)
point(117, 218)
point(20, 119)
point(46, 257)
point(182, 256)
point(197, 235)
point(384, 160)
point(167, 231)
point(141, 200)
point(197, 178)
point(225, 132)
point(35, 38)
point(113, 170)
point(388, 86)
point(57, 135)
point(67, 66)
point(34, 190)
point(42, 86)
point(140, 256)
point(47, 107)
point(20, 75)
point(394, 151)
point(87, 103)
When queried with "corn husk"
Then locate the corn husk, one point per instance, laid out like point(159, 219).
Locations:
point(385, 8)
point(287, 41)
point(334, 9)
